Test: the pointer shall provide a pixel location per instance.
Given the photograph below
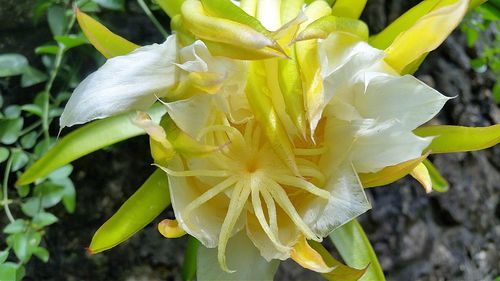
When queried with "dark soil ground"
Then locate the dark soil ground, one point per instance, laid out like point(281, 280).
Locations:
point(448, 236)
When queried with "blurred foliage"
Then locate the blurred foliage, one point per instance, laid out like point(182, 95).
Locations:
point(25, 128)
point(482, 28)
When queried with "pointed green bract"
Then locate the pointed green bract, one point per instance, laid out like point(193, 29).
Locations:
point(226, 9)
point(291, 89)
point(348, 8)
point(459, 139)
point(439, 183)
point(259, 98)
point(139, 210)
point(384, 39)
point(389, 174)
point(322, 27)
point(290, 9)
point(340, 271)
point(171, 7)
point(189, 264)
point(85, 140)
point(354, 247)
point(106, 42)
point(426, 34)
point(214, 28)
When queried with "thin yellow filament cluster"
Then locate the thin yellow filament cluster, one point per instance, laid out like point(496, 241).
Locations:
point(253, 171)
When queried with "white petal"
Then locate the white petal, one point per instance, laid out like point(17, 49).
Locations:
point(371, 145)
point(268, 13)
point(347, 201)
point(229, 99)
point(123, 83)
point(339, 48)
point(204, 222)
point(242, 256)
point(193, 114)
point(404, 98)
point(288, 234)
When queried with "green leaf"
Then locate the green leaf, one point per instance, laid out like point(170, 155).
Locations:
point(33, 109)
point(12, 111)
point(10, 129)
point(43, 219)
point(459, 139)
point(32, 76)
point(439, 183)
point(496, 92)
point(47, 49)
point(23, 190)
point(105, 41)
point(85, 140)
point(11, 272)
point(56, 17)
point(32, 207)
point(170, 7)
point(49, 193)
point(140, 209)
point(19, 159)
point(354, 247)
point(4, 154)
point(41, 253)
point(117, 5)
point(29, 140)
point(348, 8)
point(24, 243)
point(16, 226)
point(61, 173)
point(68, 192)
point(88, 6)
point(71, 41)
point(12, 64)
point(3, 256)
point(43, 146)
point(189, 264)
point(489, 11)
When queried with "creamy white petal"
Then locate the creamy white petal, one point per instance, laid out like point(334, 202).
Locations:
point(123, 83)
point(230, 97)
point(242, 256)
point(193, 114)
point(268, 12)
point(371, 145)
point(347, 201)
point(339, 48)
point(204, 222)
point(288, 234)
point(404, 98)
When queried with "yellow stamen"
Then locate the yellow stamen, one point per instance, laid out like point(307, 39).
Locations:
point(239, 197)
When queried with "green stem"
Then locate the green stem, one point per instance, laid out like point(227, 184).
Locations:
point(5, 199)
point(52, 78)
point(30, 128)
point(151, 17)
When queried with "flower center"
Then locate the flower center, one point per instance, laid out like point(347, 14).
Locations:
point(252, 171)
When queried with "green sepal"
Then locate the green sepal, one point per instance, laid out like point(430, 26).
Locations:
point(356, 250)
point(459, 139)
point(85, 140)
point(138, 211)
